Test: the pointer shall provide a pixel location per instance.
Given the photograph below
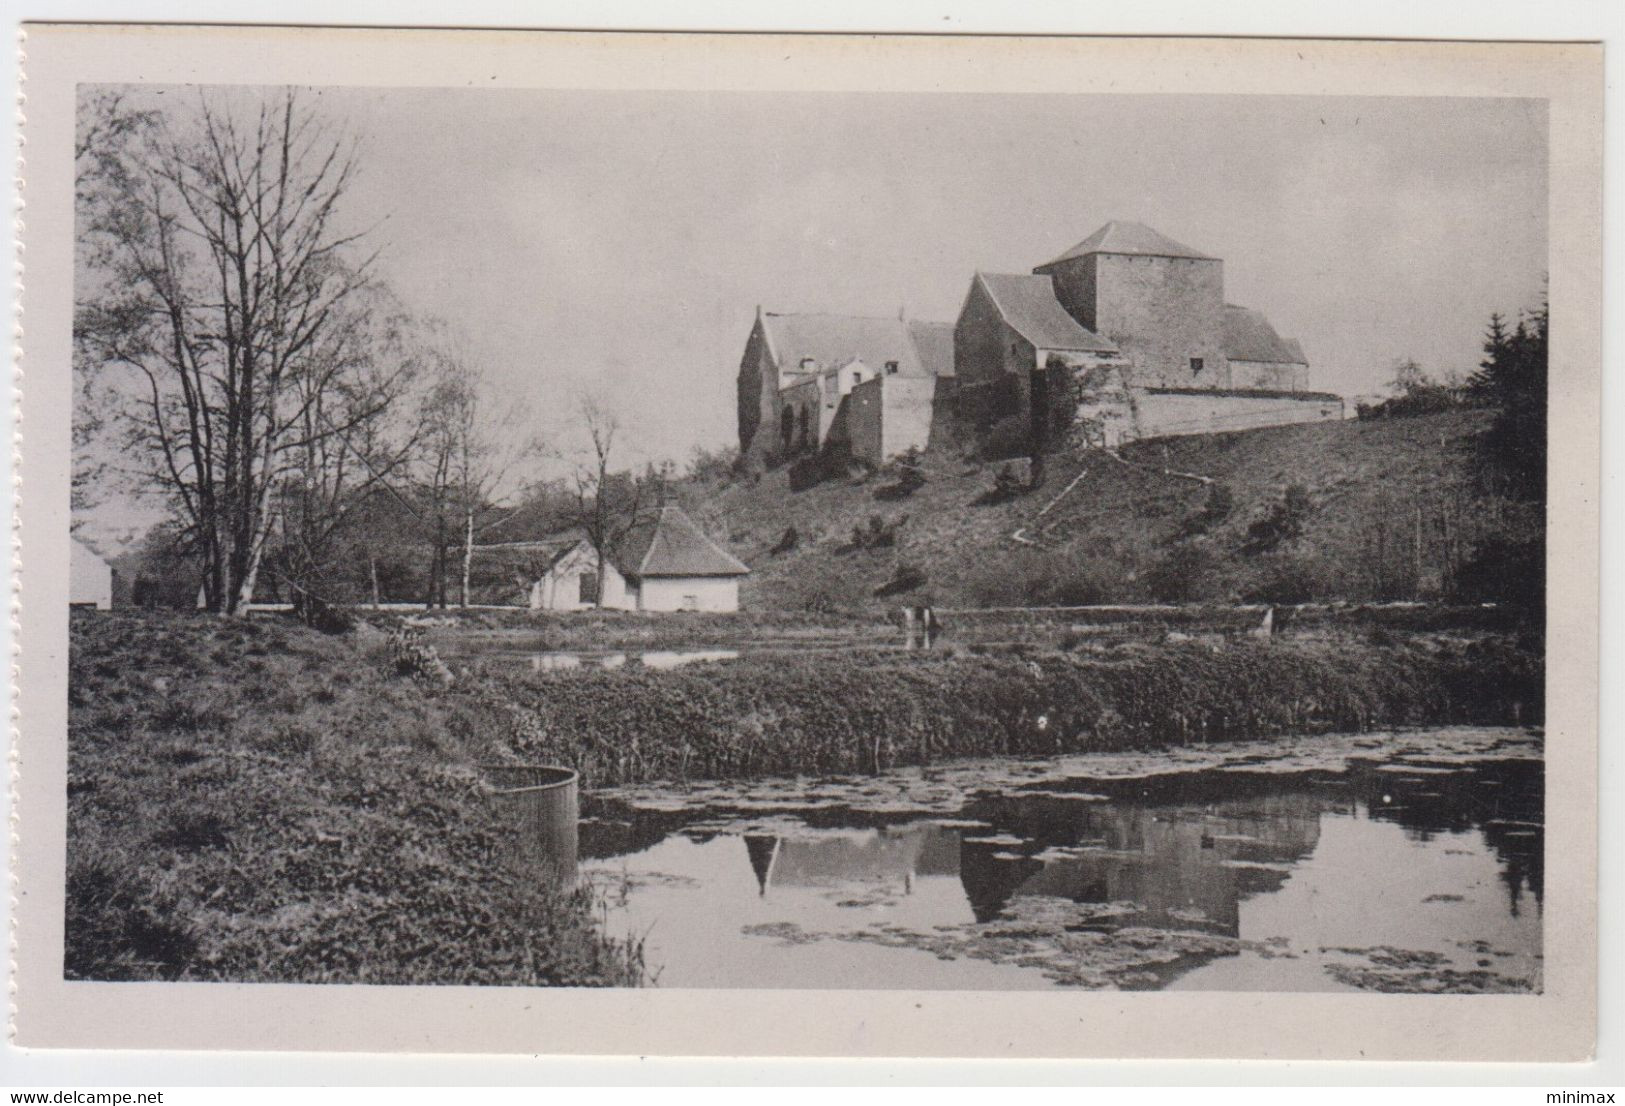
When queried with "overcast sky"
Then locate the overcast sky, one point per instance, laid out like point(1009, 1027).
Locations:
point(624, 240)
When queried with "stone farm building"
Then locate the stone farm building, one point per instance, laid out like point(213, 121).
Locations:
point(665, 563)
point(1136, 321)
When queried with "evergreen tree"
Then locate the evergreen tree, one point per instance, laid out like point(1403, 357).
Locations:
point(1513, 378)
point(1495, 341)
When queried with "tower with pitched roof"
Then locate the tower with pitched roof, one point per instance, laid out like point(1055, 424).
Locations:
point(1159, 301)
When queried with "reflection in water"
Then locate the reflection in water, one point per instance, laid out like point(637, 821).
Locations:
point(1503, 800)
point(556, 661)
point(1413, 845)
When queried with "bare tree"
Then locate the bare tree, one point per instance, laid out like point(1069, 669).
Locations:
point(224, 276)
point(358, 436)
point(108, 129)
point(472, 449)
point(607, 504)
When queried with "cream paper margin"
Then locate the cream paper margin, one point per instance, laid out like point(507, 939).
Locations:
point(1556, 1025)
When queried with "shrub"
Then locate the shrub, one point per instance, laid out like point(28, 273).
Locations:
point(1010, 437)
point(1007, 485)
point(1184, 575)
point(1421, 399)
point(786, 543)
point(877, 533)
point(1503, 571)
point(809, 471)
point(1220, 502)
point(830, 594)
point(906, 577)
point(1282, 523)
point(1286, 580)
point(909, 468)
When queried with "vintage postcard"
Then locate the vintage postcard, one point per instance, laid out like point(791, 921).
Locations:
point(632, 543)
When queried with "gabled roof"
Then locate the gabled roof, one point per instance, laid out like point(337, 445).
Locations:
point(1248, 336)
point(1135, 239)
point(934, 345)
point(1029, 305)
point(830, 340)
point(548, 552)
point(668, 543)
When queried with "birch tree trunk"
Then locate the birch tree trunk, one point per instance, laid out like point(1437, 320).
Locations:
point(468, 551)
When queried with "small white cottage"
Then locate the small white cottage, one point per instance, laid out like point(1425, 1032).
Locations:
point(666, 563)
point(90, 577)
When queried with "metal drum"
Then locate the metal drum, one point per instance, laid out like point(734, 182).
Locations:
point(542, 803)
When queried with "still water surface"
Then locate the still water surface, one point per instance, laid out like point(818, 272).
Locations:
point(1388, 872)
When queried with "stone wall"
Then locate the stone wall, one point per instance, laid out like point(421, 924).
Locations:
point(1278, 376)
point(1170, 412)
point(1105, 414)
point(806, 417)
point(865, 419)
point(906, 406)
point(988, 355)
point(890, 415)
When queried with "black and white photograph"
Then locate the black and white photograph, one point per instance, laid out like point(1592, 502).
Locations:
point(767, 539)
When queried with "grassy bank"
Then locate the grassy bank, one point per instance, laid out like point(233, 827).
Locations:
point(844, 713)
point(249, 800)
point(253, 800)
point(547, 630)
point(459, 632)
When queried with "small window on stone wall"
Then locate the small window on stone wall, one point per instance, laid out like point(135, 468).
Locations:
point(1196, 366)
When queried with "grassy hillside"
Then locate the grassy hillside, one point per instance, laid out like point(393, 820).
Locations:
point(1389, 509)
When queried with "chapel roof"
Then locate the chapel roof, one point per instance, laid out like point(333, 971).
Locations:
point(832, 340)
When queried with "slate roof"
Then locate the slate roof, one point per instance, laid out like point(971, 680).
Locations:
point(934, 345)
point(1248, 336)
point(1136, 239)
point(1029, 305)
point(831, 340)
point(668, 543)
point(547, 552)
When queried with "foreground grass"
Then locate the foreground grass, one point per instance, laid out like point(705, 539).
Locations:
point(252, 801)
point(850, 712)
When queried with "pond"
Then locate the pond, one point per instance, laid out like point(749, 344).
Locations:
point(1400, 862)
point(558, 660)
